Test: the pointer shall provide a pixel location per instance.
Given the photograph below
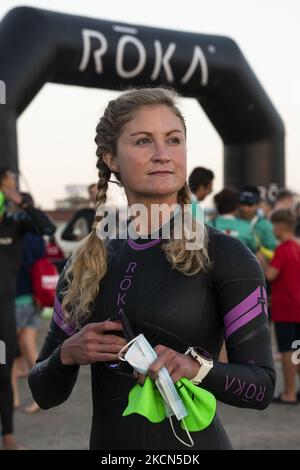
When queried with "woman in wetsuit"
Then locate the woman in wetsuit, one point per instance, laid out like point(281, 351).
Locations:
point(177, 297)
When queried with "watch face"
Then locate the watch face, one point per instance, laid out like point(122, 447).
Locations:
point(203, 353)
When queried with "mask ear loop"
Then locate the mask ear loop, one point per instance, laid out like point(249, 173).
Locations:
point(120, 356)
point(186, 430)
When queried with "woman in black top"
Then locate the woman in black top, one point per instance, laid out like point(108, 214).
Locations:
point(13, 226)
point(176, 296)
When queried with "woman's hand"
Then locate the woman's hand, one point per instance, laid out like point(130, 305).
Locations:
point(178, 365)
point(93, 344)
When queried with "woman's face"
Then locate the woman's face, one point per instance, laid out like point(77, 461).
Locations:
point(151, 155)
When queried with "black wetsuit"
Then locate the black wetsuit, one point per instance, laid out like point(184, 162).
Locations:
point(177, 311)
point(12, 230)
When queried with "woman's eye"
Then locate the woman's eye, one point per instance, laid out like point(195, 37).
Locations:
point(175, 140)
point(144, 140)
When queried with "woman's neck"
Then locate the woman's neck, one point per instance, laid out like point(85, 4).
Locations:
point(153, 214)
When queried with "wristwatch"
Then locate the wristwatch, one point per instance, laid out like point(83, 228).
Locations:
point(205, 360)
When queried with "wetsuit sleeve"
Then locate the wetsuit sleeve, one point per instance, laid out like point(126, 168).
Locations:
point(50, 381)
point(237, 279)
point(36, 221)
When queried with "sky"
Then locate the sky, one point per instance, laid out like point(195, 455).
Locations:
point(56, 131)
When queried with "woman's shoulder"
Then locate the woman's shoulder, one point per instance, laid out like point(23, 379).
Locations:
point(219, 239)
point(115, 245)
point(230, 254)
point(62, 281)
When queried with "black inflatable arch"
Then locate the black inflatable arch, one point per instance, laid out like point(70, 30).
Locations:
point(39, 46)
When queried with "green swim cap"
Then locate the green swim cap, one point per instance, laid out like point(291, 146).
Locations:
point(148, 402)
point(2, 202)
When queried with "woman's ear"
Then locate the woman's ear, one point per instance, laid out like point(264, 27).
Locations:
point(111, 161)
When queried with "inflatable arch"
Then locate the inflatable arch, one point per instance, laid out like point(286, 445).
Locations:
point(39, 46)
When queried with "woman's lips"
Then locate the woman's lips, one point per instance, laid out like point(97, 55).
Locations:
point(161, 173)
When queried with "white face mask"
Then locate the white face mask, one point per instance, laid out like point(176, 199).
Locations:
point(140, 356)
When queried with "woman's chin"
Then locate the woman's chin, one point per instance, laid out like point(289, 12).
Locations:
point(163, 188)
point(163, 193)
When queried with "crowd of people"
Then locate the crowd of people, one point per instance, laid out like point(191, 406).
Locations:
point(267, 230)
point(270, 229)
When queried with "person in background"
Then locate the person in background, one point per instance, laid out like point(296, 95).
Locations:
point(265, 208)
point(285, 199)
point(55, 254)
point(226, 202)
point(201, 185)
point(82, 220)
point(27, 312)
point(13, 226)
point(284, 274)
point(201, 182)
point(249, 201)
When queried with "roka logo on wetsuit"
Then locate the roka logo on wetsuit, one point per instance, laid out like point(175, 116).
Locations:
point(125, 285)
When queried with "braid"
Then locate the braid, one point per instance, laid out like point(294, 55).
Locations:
point(184, 195)
point(89, 262)
point(187, 262)
point(104, 174)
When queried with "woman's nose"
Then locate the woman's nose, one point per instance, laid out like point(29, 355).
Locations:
point(161, 152)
